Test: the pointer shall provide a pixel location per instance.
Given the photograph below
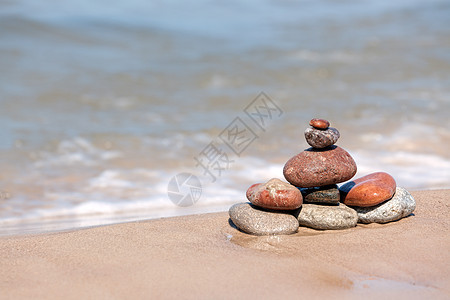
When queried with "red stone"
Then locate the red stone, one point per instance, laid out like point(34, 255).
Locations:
point(369, 190)
point(318, 167)
point(275, 194)
point(319, 123)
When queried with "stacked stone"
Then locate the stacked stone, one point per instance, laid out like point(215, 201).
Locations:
point(277, 207)
point(316, 172)
point(271, 209)
point(377, 199)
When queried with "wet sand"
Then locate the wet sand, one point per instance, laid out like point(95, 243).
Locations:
point(203, 256)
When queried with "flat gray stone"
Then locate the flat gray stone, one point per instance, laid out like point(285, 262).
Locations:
point(253, 220)
point(321, 138)
point(402, 204)
point(325, 194)
point(327, 216)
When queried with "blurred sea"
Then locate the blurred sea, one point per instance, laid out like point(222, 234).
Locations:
point(102, 103)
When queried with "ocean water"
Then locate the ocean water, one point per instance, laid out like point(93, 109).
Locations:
point(102, 104)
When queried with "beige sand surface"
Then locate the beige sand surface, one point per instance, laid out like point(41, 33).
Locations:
point(204, 257)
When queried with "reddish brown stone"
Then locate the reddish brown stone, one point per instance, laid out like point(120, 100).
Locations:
point(319, 123)
point(319, 167)
point(369, 190)
point(275, 194)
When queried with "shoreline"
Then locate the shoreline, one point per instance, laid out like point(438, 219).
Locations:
point(56, 224)
point(79, 222)
point(204, 256)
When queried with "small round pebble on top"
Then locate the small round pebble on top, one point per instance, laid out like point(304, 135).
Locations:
point(319, 123)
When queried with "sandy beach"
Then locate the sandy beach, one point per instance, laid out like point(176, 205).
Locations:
point(203, 256)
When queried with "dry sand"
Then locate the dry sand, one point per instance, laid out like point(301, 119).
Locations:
point(203, 256)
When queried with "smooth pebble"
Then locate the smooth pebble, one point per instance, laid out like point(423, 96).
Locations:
point(368, 190)
point(400, 206)
point(321, 138)
point(253, 220)
point(319, 123)
point(275, 194)
point(327, 216)
point(319, 167)
point(328, 194)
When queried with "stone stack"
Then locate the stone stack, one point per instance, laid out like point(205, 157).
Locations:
point(277, 207)
point(316, 172)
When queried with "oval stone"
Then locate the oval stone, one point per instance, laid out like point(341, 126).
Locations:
point(319, 123)
point(256, 221)
point(318, 167)
point(327, 216)
point(318, 138)
point(400, 206)
point(369, 190)
point(275, 194)
point(328, 194)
